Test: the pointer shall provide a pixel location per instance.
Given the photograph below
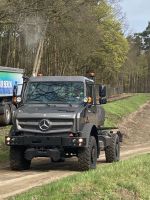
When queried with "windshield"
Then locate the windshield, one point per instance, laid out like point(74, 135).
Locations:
point(55, 92)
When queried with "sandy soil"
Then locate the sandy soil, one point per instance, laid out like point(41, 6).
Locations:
point(136, 129)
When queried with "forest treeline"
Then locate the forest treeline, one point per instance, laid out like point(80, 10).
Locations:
point(71, 37)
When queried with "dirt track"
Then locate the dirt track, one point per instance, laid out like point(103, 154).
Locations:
point(136, 141)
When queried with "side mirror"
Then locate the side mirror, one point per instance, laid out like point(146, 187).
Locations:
point(102, 94)
point(103, 100)
point(102, 91)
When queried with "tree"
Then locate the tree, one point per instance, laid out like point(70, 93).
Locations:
point(112, 47)
point(137, 66)
point(63, 37)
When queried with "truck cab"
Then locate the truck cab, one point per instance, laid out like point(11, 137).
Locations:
point(58, 117)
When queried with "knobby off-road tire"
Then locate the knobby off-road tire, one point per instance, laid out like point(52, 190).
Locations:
point(17, 159)
point(5, 119)
point(87, 157)
point(112, 152)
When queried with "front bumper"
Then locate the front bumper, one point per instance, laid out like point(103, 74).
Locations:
point(42, 141)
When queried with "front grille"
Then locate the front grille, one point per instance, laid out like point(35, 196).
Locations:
point(57, 125)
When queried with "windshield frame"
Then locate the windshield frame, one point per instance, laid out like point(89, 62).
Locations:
point(52, 83)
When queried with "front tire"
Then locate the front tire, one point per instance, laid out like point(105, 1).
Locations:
point(87, 156)
point(17, 159)
point(112, 152)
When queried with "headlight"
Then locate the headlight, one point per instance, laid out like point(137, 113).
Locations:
point(80, 140)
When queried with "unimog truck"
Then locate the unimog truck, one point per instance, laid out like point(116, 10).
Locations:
point(60, 117)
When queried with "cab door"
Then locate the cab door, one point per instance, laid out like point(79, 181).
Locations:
point(91, 103)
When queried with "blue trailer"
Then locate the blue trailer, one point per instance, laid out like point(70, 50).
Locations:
point(9, 77)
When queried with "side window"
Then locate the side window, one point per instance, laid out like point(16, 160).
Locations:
point(89, 90)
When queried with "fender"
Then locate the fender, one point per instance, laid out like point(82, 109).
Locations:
point(88, 130)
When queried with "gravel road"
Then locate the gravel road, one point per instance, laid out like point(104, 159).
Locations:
point(136, 141)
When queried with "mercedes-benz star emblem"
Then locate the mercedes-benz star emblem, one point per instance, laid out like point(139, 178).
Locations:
point(44, 124)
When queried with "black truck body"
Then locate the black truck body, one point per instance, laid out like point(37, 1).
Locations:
point(59, 117)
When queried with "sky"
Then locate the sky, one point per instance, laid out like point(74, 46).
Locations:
point(137, 14)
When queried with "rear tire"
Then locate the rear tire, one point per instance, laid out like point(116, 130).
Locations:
point(17, 159)
point(112, 152)
point(87, 156)
point(5, 119)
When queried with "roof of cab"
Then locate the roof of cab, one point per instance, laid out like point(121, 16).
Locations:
point(10, 69)
point(60, 78)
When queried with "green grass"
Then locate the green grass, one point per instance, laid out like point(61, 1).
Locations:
point(124, 180)
point(3, 148)
point(116, 110)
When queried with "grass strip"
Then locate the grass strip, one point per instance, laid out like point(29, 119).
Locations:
point(3, 148)
point(116, 110)
point(128, 179)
